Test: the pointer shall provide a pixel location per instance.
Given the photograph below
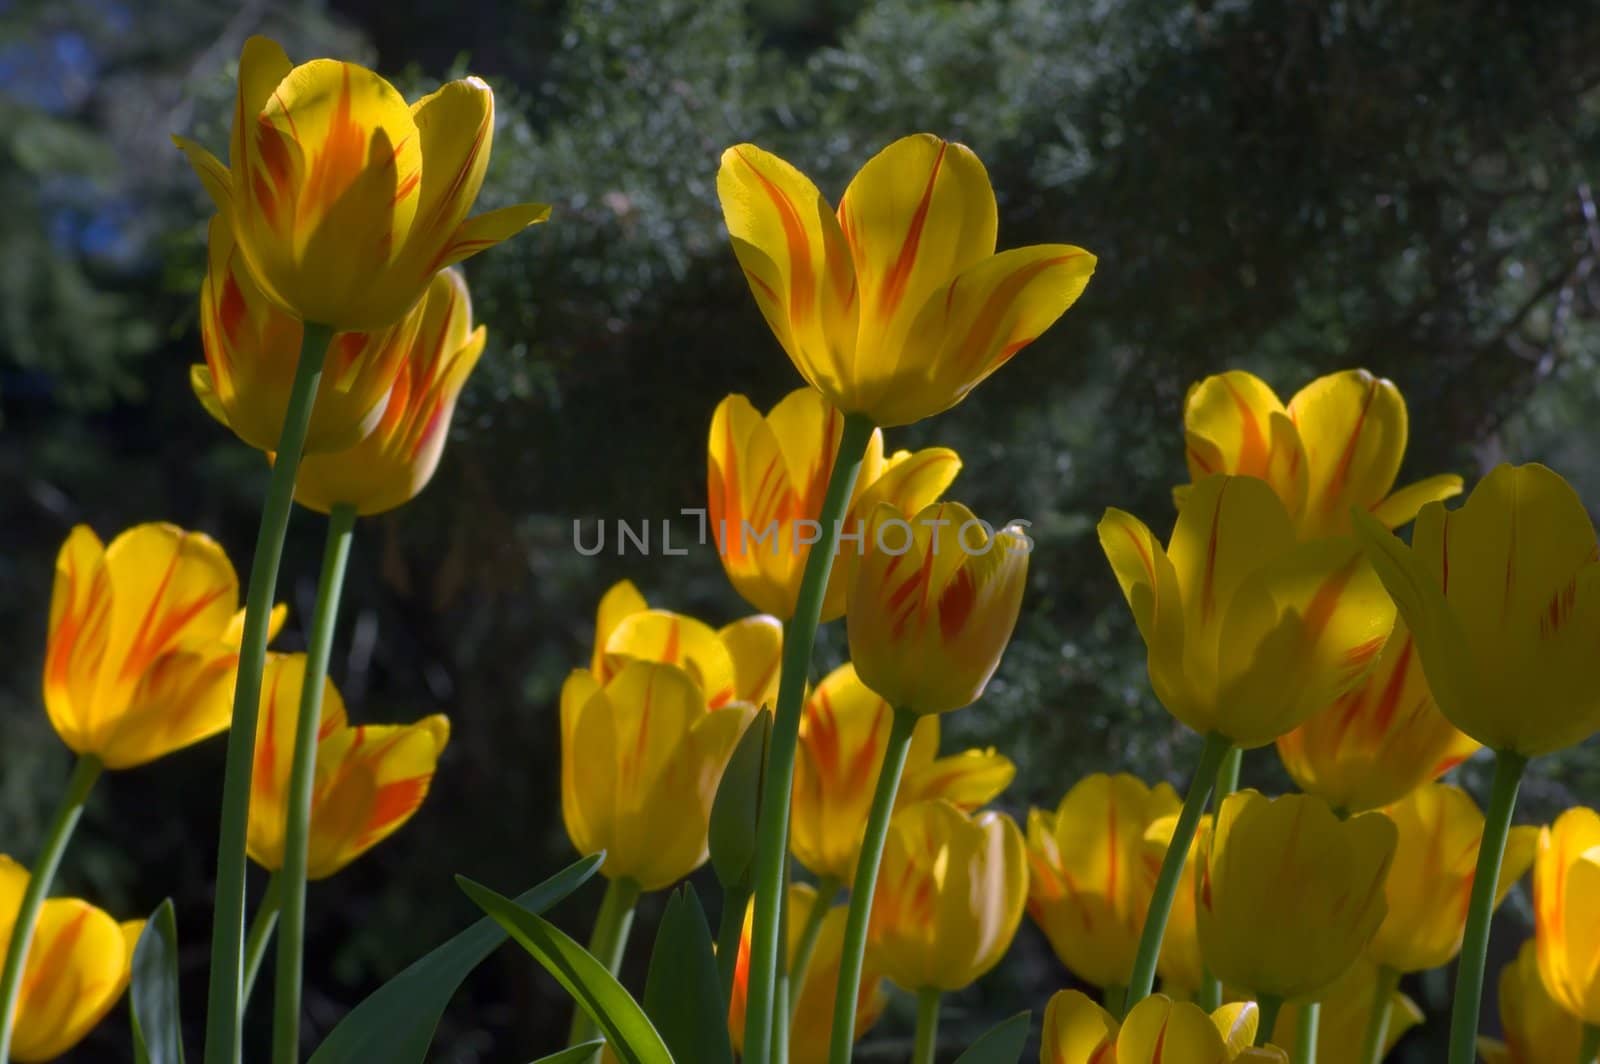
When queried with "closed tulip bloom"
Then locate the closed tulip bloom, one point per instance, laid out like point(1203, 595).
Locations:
point(345, 200)
point(395, 461)
point(78, 966)
point(641, 756)
point(844, 728)
point(1289, 894)
point(1180, 963)
point(933, 605)
point(369, 780)
point(1091, 873)
point(1337, 445)
point(950, 895)
point(1503, 597)
point(897, 305)
point(1343, 1012)
point(1248, 630)
point(143, 644)
point(767, 475)
point(1430, 881)
point(1534, 1026)
point(1157, 1030)
point(1566, 906)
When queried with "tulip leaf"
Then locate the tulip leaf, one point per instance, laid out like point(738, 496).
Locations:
point(577, 1054)
point(396, 1024)
point(1001, 1044)
point(683, 994)
point(736, 809)
point(628, 1030)
point(153, 991)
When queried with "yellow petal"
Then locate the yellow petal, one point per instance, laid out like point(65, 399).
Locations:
point(1234, 423)
point(80, 617)
point(77, 968)
point(1076, 1031)
point(483, 231)
point(263, 65)
point(751, 499)
point(1354, 428)
point(1237, 1024)
point(968, 780)
point(1159, 1030)
point(755, 645)
point(1148, 581)
point(675, 639)
point(281, 686)
point(456, 124)
point(1403, 505)
point(1536, 1027)
point(620, 601)
point(214, 176)
point(1566, 901)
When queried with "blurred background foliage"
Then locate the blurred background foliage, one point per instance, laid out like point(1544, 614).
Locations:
point(1287, 187)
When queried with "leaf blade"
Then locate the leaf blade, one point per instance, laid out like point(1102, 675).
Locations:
point(1001, 1044)
point(683, 993)
point(153, 991)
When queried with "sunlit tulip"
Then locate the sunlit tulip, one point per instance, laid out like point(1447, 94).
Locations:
point(345, 199)
point(1289, 894)
point(1430, 881)
point(1248, 630)
point(897, 306)
point(640, 759)
point(1180, 962)
point(1534, 1026)
point(844, 728)
point(767, 475)
point(950, 895)
point(1503, 596)
point(1091, 872)
point(934, 602)
point(1566, 904)
point(397, 458)
point(813, 1015)
point(1344, 1011)
point(77, 968)
point(1337, 445)
point(144, 642)
point(1157, 1030)
point(369, 780)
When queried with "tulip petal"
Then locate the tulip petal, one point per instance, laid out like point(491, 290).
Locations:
point(1077, 1031)
point(1234, 423)
point(1159, 1029)
point(968, 780)
point(78, 965)
point(80, 627)
point(1237, 1024)
point(277, 719)
point(620, 601)
point(263, 65)
point(751, 495)
point(675, 639)
point(213, 175)
point(484, 231)
point(577, 695)
point(1354, 428)
point(456, 124)
point(1402, 506)
point(755, 644)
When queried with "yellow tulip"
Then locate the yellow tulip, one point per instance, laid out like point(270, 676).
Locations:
point(369, 780)
point(143, 644)
point(897, 306)
point(1566, 904)
point(77, 968)
point(1503, 597)
point(1248, 631)
point(1182, 967)
point(933, 605)
point(1157, 1030)
point(844, 728)
point(766, 478)
point(1337, 445)
point(950, 894)
point(1430, 881)
point(812, 1021)
point(346, 200)
point(1535, 1027)
point(1092, 874)
point(641, 756)
point(398, 457)
point(1344, 1010)
point(251, 349)
point(1289, 894)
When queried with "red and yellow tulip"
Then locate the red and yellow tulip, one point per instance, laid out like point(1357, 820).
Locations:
point(1566, 906)
point(1534, 1027)
point(1156, 1030)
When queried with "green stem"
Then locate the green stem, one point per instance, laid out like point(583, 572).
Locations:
point(827, 887)
point(607, 944)
point(1508, 767)
point(1209, 996)
point(780, 993)
point(1155, 921)
point(866, 881)
point(730, 930)
point(1590, 1046)
point(84, 773)
point(1305, 1035)
point(1269, 1007)
point(302, 779)
point(1378, 1018)
point(227, 928)
point(927, 1026)
point(255, 943)
point(772, 836)
point(1112, 997)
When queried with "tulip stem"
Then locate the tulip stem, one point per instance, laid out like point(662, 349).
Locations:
point(607, 943)
point(79, 784)
point(1305, 1035)
point(1387, 983)
point(866, 881)
point(927, 1026)
point(1508, 767)
point(227, 927)
point(255, 943)
point(730, 929)
point(1269, 1007)
point(1591, 1044)
point(827, 887)
point(289, 973)
point(772, 835)
point(1155, 921)
point(1112, 998)
point(1209, 996)
point(780, 993)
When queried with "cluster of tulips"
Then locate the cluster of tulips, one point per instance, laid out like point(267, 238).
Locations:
point(1281, 611)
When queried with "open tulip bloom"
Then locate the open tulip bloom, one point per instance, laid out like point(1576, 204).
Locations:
point(1534, 1025)
point(1158, 1029)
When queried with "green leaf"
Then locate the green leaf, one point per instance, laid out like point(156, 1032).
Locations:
point(682, 993)
point(629, 1031)
point(573, 1054)
point(153, 992)
point(736, 809)
point(1001, 1044)
point(396, 1024)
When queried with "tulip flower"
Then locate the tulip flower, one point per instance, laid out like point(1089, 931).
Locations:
point(898, 306)
point(395, 461)
point(1336, 446)
point(345, 200)
point(1091, 874)
point(766, 479)
point(1535, 1027)
point(1344, 1013)
point(1289, 895)
point(1566, 903)
point(1157, 1029)
point(1182, 967)
point(77, 968)
point(813, 1009)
